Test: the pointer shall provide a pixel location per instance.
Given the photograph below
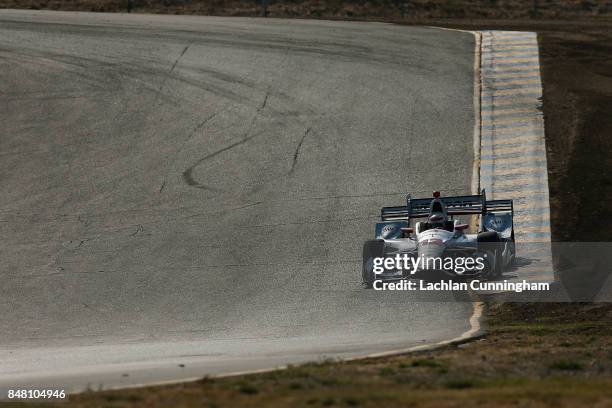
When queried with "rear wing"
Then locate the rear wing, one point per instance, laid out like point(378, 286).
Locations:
point(456, 205)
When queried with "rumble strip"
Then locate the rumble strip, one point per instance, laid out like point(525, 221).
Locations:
point(512, 143)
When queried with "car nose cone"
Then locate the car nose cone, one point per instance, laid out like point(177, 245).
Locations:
point(431, 249)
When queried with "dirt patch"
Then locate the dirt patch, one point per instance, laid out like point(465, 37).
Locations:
point(577, 73)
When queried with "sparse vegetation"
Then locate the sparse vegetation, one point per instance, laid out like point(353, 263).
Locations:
point(565, 364)
point(245, 387)
point(459, 383)
point(425, 363)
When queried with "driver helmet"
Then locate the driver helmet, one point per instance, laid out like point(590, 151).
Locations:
point(436, 220)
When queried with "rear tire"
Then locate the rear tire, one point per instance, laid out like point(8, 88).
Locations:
point(512, 244)
point(489, 243)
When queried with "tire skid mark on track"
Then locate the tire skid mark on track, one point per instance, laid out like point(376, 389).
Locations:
point(297, 150)
point(188, 173)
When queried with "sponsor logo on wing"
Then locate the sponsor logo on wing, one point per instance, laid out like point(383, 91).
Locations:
point(496, 222)
point(387, 230)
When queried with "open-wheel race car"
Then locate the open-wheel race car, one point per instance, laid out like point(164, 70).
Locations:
point(428, 229)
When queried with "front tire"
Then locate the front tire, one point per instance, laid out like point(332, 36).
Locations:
point(371, 249)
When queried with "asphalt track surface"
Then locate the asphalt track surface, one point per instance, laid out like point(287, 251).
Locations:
point(183, 196)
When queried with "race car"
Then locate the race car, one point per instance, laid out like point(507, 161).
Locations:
point(438, 235)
